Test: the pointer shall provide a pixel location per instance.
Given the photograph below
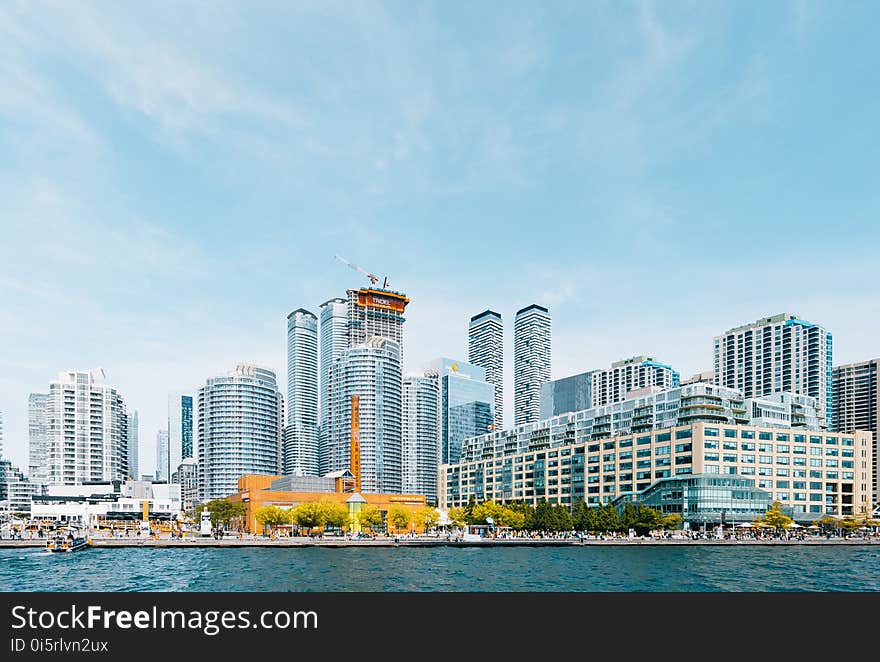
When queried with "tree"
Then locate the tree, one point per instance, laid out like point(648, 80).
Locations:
point(399, 517)
point(426, 518)
point(608, 519)
point(369, 517)
point(671, 522)
point(272, 516)
point(335, 514)
point(560, 518)
point(512, 518)
point(308, 516)
point(457, 516)
point(486, 510)
point(775, 517)
point(222, 511)
point(647, 519)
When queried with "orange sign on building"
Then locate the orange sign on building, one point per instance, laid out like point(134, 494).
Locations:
point(382, 299)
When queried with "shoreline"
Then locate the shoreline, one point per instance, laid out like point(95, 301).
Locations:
point(166, 543)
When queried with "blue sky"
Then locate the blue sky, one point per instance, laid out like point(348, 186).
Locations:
point(176, 177)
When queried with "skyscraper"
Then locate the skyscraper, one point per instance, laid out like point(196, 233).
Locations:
point(86, 430)
point(37, 437)
point(467, 404)
point(375, 312)
point(857, 404)
point(531, 361)
point(486, 350)
point(560, 396)
point(334, 341)
point(163, 454)
point(613, 384)
point(777, 354)
point(240, 418)
point(133, 445)
point(180, 429)
point(419, 452)
point(300, 447)
point(372, 371)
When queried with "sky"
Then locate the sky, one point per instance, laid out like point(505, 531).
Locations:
point(176, 178)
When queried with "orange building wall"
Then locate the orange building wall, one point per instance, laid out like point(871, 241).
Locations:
point(254, 497)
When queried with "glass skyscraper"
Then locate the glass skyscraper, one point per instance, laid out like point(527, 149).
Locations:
point(467, 404)
point(561, 396)
point(163, 456)
point(180, 432)
point(240, 418)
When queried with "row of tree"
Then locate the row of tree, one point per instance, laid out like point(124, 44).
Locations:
point(321, 514)
point(518, 516)
point(545, 516)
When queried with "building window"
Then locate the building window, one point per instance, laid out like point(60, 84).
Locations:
point(730, 433)
point(710, 432)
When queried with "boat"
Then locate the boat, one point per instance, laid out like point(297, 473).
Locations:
point(69, 543)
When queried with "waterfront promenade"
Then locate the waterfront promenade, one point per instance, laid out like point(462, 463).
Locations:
point(333, 542)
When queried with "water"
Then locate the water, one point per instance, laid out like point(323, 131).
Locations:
point(588, 568)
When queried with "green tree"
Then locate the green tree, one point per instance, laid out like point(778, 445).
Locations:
point(512, 518)
point(457, 516)
point(488, 509)
point(469, 510)
point(527, 510)
point(608, 519)
point(370, 517)
point(775, 517)
point(426, 518)
point(272, 517)
point(629, 517)
point(308, 516)
point(335, 514)
point(543, 517)
point(222, 511)
point(560, 518)
point(647, 519)
point(671, 522)
point(399, 518)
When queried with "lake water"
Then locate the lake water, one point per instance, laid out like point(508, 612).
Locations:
point(587, 568)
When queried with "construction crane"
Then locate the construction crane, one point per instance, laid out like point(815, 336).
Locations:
point(373, 277)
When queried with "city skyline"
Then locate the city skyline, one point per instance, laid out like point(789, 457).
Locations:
point(167, 212)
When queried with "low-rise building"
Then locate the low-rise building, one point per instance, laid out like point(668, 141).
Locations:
point(288, 492)
point(811, 471)
point(99, 502)
point(703, 499)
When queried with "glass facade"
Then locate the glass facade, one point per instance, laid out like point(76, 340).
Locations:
point(569, 394)
point(466, 405)
point(705, 499)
